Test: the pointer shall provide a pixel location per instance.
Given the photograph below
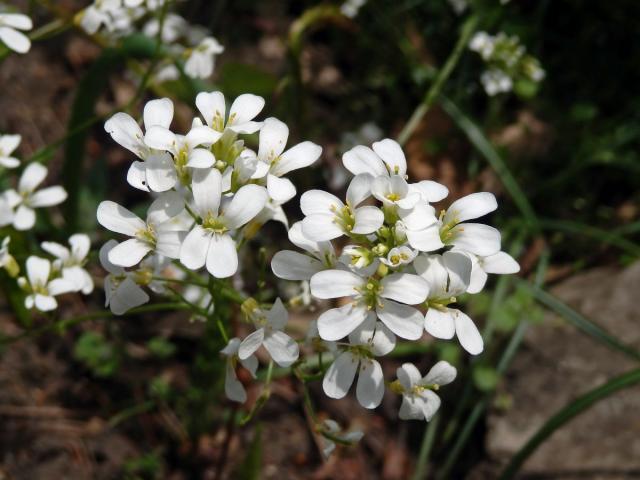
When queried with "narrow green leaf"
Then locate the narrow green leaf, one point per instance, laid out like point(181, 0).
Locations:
point(570, 411)
point(486, 149)
point(251, 467)
point(579, 321)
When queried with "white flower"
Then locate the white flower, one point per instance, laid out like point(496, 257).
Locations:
point(328, 218)
point(269, 332)
point(273, 139)
point(477, 238)
point(71, 262)
point(370, 294)
point(419, 400)
point(370, 340)
point(156, 173)
point(448, 277)
point(386, 158)
point(496, 81)
point(185, 150)
point(331, 430)
point(350, 8)
point(6, 259)
point(421, 227)
point(498, 263)
point(482, 43)
point(202, 59)
point(22, 202)
point(99, 13)
point(121, 290)
point(232, 386)
point(41, 290)
point(292, 265)
point(399, 256)
point(174, 27)
point(8, 143)
point(210, 240)
point(162, 232)
point(240, 120)
point(10, 24)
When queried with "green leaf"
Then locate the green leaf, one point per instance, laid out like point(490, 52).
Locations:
point(566, 414)
point(98, 354)
point(161, 347)
point(485, 378)
point(580, 322)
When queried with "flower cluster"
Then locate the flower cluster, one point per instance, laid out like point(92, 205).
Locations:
point(401, 273)
point(507, 62)
point(181, 41)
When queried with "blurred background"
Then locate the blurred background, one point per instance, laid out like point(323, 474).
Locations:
point(136, 397)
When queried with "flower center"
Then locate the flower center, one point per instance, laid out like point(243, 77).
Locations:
point(214, 223)
point(369, 292)
point(344, 217)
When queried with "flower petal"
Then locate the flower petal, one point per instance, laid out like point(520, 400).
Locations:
point(440, 324)
point(391, 153)
point(282, 348)
point(370, 387)
point(359, 189)
point(500, 263)
point(245, 205)
point(299, 156)
point(368, 220)
point(32, 176)
point(313, 202)
point(408, 375)
point(48, 197)
point(211, 105)
point(207, 191)
point(158, 112)
point(321, 227)
point(403, 320)
point(164, 208)
point(38, 270)
point(477, 238)
point(24, 218)
point(442, 373)
point(281, 190)
point(467, 333)
point(127, 295)
point(118, 219)
point(137, 176)
point(472, 206)
point(222, 258)
point(426, 240)
point(193, 253)
point(337, 323)
point(335, 284)
point(160, 174)
point(339, 377)
point(291, 265)
point(15, 40)
point(250, 344)
point(405, 288)
point(126, 131)
point(129, 252)
point(362, 159)
point(245, 108)
point(273, 139)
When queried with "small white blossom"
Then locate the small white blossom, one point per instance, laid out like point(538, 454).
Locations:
point(419, 400)
point(384, 158)
point(21, 203)
point(399, 256)
point(202, 59)
point(99, 13)
point(70, 262)
point(6, 259)
point(10, 34)
point(41, 290)
point(232, 386)
point(500, 263)
point(331, 430)
point(8, 143)
point(269, 332)
point(241, 114)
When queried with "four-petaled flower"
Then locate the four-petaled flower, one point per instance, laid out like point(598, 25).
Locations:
point(40, 289)
point(419, 400)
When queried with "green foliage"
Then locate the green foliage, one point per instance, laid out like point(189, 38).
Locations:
point(485, 378)
point(161, 347)
point(145, 467)
point(97, 354)
point(251, 467)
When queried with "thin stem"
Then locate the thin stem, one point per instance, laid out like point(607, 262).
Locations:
point(425, 449)
point(443, 74)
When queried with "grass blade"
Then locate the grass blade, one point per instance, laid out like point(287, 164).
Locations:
point(580, 322)
point(565, 415)
point(486, 149)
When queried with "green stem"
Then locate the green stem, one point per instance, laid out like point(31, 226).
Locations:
point(443, 74)
point(425, 449)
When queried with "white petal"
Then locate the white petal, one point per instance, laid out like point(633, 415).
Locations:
point(251, 364)
point(405, 288)
point(335, 284)
point(9, 162)
point(477, 238)
point(297, 237)
point(403, 320)
point(222, 258)
point(129, 252)
point(126, 131)
point(500, 263)
point(362, 159)
point(321, 227)
point(337, 323)
point(370, 387)
point(38, 270)
point(202, 135)
point(419, 217)
point(299, 156)
point(211, 105)
point(458, 266)
point(128, 295)
point(467, 333)
point(160, 174)
point(472, 206)
point(80, 279)
point(431, 404)
point(201, 158)
point(44, 303)
point(411, 408)
point(430, 191)
point(282, 348)
point(273, 139)
point(442, 373)
point(161, 138)
point(251, 343)
point(391, 153)
point(291, 265)
point(245, 205)
point(164, 208)
point(15, 40)
point(80, 245)
point(440, 324)
point(277, 316)
point(56, 250)
point(32, 176)
point(245, 108)
point(59, 286)
point(408, 375)
point(207, 190)
point(384, 340)
point(368, 220)
point(169, 243)
point(48, 197)
point(24, 218)
point(16, 20)
point(339, 377)
point(158, 112)
point(137, 176)
point(426, 240)
point(281, 190)
point(359, 189)
point(193, 253)
point(104, 259)
point(478, 277)
point(314, 202)
point(118, 219)
point(233, 389)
